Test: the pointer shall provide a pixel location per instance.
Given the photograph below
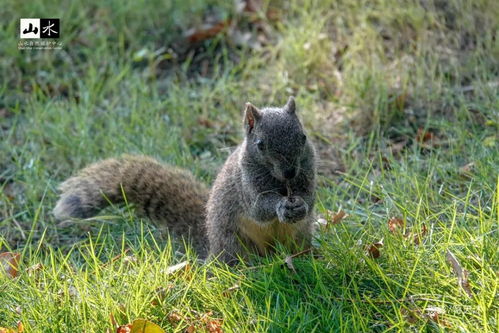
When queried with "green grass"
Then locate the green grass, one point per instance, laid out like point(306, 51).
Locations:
point(367, 76)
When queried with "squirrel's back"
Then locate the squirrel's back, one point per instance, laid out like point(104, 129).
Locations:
point(170, 196)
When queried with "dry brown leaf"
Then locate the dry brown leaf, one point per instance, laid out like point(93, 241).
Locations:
point(435, 314)
point(395, 224)
point(214, 326)
point(423, 136)
point(462, 274)
point(9, 263)
point(190, 329)
point(431, 313)
point(374, 249)
point(419, 235)
point(338, 217)
point(124, 328)
point(174, 317)
point(437, 318)
point(207, 31)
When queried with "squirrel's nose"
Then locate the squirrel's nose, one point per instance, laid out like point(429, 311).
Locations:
point(290, 173)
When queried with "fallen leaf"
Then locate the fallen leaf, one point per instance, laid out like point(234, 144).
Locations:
point(424, 136)
point(190, 329)
point(374, 249)
point(437, 318)
point(19, 329)
point(432, 313)
point(124, 328)
point(419, 235)
point(395, 224)
point(145, 326)
point(467, 170)
point(183, 266)
point(174, 317)
point(338, 217)
point(9, 263)
point(462, 274)
point(214, 326)
point(7, 330)
point(206, 31)
point(140, 326)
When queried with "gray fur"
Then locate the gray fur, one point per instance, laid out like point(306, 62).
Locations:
point(251, 190)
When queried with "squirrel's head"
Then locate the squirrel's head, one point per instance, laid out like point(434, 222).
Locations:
point(275, 138)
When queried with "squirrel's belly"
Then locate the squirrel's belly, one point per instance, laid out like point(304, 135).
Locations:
point(265, 236)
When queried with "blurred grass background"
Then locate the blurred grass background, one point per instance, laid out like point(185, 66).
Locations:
point(401, 98)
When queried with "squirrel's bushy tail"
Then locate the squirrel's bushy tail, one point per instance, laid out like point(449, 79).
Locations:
point(169, 196)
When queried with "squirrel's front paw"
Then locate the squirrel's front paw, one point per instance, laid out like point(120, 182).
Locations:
point(291, 209)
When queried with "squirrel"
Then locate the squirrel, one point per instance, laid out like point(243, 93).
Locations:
point(264, 193)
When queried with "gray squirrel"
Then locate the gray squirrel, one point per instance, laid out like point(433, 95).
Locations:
point(264, 193)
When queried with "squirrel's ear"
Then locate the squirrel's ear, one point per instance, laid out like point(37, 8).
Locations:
point(290, 105)
point(251, 116)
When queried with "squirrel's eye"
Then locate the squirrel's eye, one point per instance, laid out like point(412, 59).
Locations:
point(259, 144)
point(303, 138)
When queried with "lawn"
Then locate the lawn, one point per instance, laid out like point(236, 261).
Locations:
point(400, 98)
